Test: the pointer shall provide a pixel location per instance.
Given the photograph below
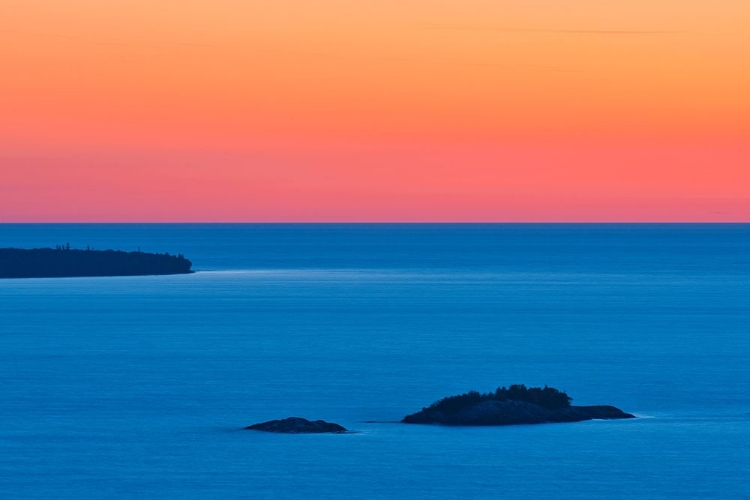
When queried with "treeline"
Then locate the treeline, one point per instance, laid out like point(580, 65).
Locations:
point(546, 397)
point(67, 262)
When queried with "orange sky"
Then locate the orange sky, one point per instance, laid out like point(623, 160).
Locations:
point(323, 110)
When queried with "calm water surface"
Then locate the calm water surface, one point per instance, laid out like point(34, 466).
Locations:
point(138, 387)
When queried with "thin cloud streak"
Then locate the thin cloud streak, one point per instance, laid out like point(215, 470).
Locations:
point(511, 29)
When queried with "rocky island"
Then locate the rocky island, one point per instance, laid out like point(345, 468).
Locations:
point(511, 406)
point(297, 425)
point(64, 262)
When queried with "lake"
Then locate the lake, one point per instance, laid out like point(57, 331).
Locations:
point(139, 387)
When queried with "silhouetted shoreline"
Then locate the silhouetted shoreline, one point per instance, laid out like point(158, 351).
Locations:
point(511, 406)
point(64, 262)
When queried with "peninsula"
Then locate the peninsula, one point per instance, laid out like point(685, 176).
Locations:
point(511, 406)
point(64, 262)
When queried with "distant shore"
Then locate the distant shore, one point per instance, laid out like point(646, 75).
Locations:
point(64, 262)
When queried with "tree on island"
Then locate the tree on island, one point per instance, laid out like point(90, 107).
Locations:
point(546, 397)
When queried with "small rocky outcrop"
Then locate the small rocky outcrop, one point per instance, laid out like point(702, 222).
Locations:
point(297, 425)
point(514, 406)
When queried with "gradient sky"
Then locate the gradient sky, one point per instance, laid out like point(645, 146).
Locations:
point(374, 110)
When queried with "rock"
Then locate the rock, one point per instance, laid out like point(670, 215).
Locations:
point(296, 425)
point(598, 412)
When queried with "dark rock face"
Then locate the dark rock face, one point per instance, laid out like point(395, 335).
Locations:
point(513, 413)
point(296, 425)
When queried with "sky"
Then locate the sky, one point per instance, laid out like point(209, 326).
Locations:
point(374, 111)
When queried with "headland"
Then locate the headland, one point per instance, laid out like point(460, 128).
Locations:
point(64, 262)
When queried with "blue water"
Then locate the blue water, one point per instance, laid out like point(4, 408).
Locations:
point(138, 387)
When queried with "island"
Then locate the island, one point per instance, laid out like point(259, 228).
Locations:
point(297, 425)
point(64, 262)
point(514, 405)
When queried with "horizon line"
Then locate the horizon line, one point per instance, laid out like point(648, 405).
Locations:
point(352, 223)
